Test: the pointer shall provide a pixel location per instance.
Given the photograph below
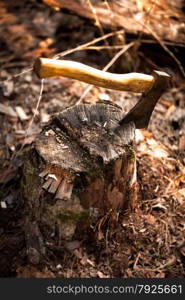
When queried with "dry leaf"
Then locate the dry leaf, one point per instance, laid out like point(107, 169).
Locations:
point(182, 143)
point(7, 110)
point(101, 275)
point(150, 219)
point(21, 113)
point(90, 262)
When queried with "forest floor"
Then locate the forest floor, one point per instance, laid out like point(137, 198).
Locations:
point(149, 241)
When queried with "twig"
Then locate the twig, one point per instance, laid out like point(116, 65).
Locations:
point(67, 52)
point(154, 34)
point(166, 49)
point(123, 50)
point(17, 75)
point(148, 41)
point(104, 47)
point(97, 21)
point(38, 103)
point(136, 261)
point(14, 156)
point(84, 46)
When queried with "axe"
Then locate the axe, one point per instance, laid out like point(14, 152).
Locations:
point(151, 86)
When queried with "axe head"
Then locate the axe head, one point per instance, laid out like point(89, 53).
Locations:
point(140, 114)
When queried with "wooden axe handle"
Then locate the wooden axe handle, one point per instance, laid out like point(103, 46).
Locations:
point(133, 82)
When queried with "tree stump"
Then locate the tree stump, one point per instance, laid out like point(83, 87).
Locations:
point(81, 168)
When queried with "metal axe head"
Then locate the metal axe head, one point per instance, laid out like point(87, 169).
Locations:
point(140, 114)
